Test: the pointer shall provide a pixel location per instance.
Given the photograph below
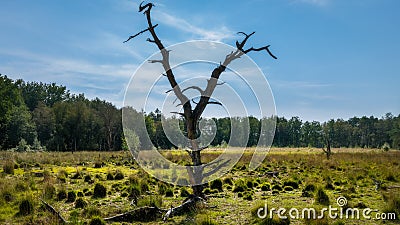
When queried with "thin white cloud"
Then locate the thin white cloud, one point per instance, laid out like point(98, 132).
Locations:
point(298, 84)
point(314, 2)
point(219, 34)
point(94, 79)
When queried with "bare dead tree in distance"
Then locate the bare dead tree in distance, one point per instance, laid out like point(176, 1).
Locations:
point(327, 151)
point(192, 113)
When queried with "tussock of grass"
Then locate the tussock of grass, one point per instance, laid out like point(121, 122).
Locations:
point(25, 207)
point(392, 204)
point(321, 197)
point(8, 167)
point(240, 185)
point(150, 200)
point(216, 184)
point(204, 219)
point(99, 191)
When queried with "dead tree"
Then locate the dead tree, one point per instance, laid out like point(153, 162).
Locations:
point(327, 151)
point(192, 113)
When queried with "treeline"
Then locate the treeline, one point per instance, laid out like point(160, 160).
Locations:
point(48, 116)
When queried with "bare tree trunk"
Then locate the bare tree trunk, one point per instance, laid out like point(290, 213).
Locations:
point(327, 151)
point(193, 115)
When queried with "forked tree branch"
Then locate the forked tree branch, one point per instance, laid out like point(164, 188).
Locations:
point(196, 113)
point(260, 49)
point(146, 9)
point(141, 32)
point(213, 82)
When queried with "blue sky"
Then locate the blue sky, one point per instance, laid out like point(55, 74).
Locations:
point(336, 58)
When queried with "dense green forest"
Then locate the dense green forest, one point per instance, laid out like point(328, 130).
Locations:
point(38, 116)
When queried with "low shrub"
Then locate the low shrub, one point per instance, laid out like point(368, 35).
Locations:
point(306, 194)
point(277, 187)
point(391, 177)
point(228, 180)
point(216, 184)
point(309, 187)
point(329, 186)
point(110, 176)
point(249, 183)
point(49, 191)
point(21, 186)
point(91, 211)
point(25, 207)
point(321, 197)
point(7, 195)
point(203, 219)
point(144, 186)
point(150, 200)
point(291, 183)
point(240, 186)
point(97, 221)
point(46, 176)
point(133, 179)
point(227, 187)
point(169, 192)
point(99, 191)
point(71, 196)
point(80, 203)
point(266, 187)
point(308, 190)
point(162, 188)
point(87, 178)
point(8, 167)
point(119, 175)
point(248, 196)
point(61, 195)
point(393, 204)
point(134, 191)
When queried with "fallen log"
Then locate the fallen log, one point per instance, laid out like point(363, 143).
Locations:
point(54, 212)
point(188, 206)
point(143, 214)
